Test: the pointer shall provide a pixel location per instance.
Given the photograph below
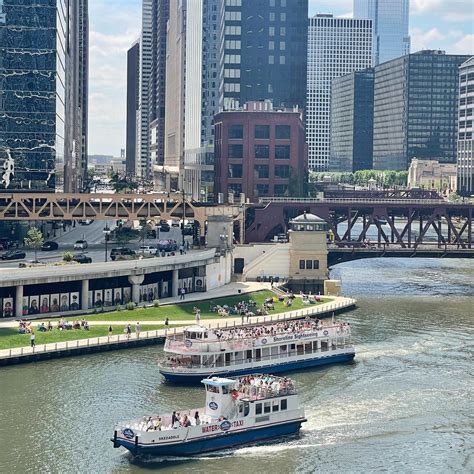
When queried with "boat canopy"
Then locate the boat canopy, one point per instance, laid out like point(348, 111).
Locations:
point(218, 382)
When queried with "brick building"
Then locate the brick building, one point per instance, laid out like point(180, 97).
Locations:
point(260, 151)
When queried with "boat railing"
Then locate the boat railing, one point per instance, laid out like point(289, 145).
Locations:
point(238, 342)
point(177, 363)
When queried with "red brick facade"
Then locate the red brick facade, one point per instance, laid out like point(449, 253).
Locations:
point(260, 153)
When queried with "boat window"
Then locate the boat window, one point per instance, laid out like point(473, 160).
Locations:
point(276, 406)
point(211, 388)
point(225, 390)
point(283, 348)
point(258, 408)
point(284, 404)
point(292, 347)
point(266, 407)
point(205, 335)
point(246, 408)
point(241, 408)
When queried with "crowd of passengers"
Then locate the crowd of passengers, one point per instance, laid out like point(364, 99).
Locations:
point(177, 420)
point(284, 327)
point(262, 386)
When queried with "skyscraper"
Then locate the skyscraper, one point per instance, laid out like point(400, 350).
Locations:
point(352, 122)
point(390, 20)
point(43, 95)
point(157, 87)
point(133, 97)
point(336, 46)
point(465, 157)
point(265, 46)
point(416, 109)
point(143, 162)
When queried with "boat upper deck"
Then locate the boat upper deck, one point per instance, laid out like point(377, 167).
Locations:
point(246, 337)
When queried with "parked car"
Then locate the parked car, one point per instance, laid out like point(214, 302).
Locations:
point(86, 222)
point(13, 255)
point(48, 246)
point(175, 223)
point(188, 229)
point(165, 227)
point(122, 253)
point(147, 250)
point(151, 234)
point(81, 258)
point(81, 245)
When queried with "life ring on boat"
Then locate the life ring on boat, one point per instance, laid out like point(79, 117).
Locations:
point(325, 333)
point(235, 394)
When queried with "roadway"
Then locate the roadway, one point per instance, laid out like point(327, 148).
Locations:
point(95, 238)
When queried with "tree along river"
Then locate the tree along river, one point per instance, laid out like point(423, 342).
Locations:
point(404, 405)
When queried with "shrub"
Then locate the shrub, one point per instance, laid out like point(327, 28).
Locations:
point(156, 303)
point(130, 306)
point(67, 256)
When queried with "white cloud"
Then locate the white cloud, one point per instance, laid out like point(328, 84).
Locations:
point(448, 10)
point(425, 39)
point(465, 45)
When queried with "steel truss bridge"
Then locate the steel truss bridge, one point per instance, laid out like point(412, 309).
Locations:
point(408, 224)
point(63, 206)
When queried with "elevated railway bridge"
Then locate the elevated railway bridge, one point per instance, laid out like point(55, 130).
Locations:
point(397, 219)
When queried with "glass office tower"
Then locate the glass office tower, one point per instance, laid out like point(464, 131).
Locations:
point(43, 81)
point(390, 27)
point(416, 109)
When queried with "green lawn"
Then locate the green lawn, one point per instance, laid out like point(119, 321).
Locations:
point(10, 338)
point(184, 311)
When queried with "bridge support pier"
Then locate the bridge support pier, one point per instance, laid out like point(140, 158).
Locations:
point(175, 283)
point(136, 281)
point(85, 294)
point(19, 302)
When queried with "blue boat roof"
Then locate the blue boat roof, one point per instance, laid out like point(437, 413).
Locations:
point(218, 381)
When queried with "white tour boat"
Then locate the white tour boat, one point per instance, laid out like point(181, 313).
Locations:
point(238, 412)
point(287, 345)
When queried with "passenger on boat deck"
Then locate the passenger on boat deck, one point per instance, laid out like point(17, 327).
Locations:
point(157, 424)
point(185, 422)
point(174, 419)
point(150, 425)
point(176, 423)
point(197, 420)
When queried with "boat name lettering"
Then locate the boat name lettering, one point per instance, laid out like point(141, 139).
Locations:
point(291, 337)
point(163, 438)
point(224, 426)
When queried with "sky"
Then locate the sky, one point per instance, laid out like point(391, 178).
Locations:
point(115, 25)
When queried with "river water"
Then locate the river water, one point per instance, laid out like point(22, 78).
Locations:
point(404, 405)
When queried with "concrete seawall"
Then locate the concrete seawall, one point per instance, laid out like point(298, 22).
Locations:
point(147, 338)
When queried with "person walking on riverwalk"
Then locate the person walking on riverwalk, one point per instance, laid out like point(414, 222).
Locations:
point(33, 339)
point(198, 315)
point(167, 322)
point(110, 330)
point(182, 292)
point(138, 330)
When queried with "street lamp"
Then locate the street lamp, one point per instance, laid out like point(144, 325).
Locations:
point(107, 236)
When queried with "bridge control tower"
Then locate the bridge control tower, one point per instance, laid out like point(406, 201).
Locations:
point(308, 253)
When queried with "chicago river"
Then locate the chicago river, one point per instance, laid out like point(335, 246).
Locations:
point(404, 405)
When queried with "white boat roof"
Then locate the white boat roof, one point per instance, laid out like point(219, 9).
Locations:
point(218, 381)
point(196, 328)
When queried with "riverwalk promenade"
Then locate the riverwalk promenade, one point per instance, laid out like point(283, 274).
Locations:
point(122, 341)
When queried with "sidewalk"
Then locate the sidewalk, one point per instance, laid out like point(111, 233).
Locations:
point(79, 346)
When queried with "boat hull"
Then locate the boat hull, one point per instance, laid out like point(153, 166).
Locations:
point(215, 443)
point(194, 377)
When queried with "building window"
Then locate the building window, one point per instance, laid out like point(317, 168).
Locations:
point(236, 151)
point(261, 171)
point(262, 132)
point(302, 264)
point(282, 132)
point(271, 59)
point(236, 132)
point(235, 171)
point(236, 189)
point(262, 152)
point(280, 190)
point(309, 264)
point(316, 264)
point(262, 190)
point(282, 171)
point(282, 152)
